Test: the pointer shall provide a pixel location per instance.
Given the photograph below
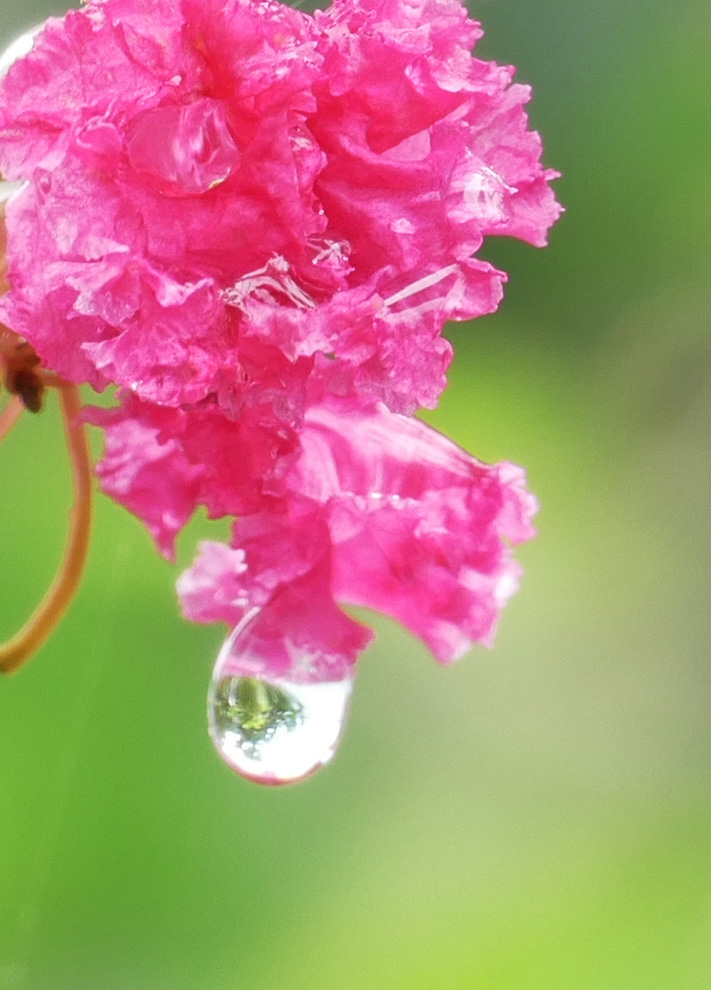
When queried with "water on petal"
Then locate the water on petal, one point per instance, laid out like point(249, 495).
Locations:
point(330, 252)
point(187, 149)
point(274, 731)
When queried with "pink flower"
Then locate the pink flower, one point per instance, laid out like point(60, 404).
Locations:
point(189, 162)
point(255, 222)
point(378, 510)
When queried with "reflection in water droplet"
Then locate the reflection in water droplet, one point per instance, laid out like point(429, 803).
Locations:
point(274, 731)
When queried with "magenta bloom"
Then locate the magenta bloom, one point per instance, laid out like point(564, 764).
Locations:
point(256, 222)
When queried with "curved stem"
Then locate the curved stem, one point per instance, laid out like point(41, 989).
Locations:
point(10, 415)
point(48, 614)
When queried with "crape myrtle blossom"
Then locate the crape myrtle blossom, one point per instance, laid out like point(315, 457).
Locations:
point(256, 222)
point(377, 510)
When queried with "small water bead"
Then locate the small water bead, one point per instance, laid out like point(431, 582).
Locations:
point(485, 193)
point(329, 251)
point(187, 150)
point(402, 226)
point(274, 731)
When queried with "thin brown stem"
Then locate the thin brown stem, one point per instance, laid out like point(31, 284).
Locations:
point(10, 415)
point(48, 614)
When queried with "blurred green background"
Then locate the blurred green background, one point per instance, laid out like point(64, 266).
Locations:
point(536, 817)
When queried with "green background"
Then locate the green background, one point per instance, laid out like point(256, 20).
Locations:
point(536, 817)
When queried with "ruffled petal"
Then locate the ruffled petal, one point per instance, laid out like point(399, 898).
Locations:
point(205, 172)
point(255, 222)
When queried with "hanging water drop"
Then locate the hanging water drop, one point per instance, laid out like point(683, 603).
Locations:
point(274, 731)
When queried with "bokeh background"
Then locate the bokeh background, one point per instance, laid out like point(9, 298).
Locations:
point(536, 817)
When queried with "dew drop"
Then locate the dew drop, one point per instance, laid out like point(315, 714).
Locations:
point(330, 252)
point(274, 731)
point(402, 226)
point(187, 150)
point(484, 193)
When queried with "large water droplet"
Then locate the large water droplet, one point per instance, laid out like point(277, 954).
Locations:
point(186, 149)
point(274, 731)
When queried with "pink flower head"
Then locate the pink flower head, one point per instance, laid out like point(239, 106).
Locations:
point(256, 222)
point(379, 510)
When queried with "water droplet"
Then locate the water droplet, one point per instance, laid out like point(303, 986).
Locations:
point(330, 251)
point(273, 731)
point(484, 193)
point(187, 150)
point(402, 226)
point(385, 498)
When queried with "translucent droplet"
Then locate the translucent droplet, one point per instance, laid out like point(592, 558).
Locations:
point(484, 192)
point(186, 149)
point(402, 226)
point(274, 731)
point(330, 252)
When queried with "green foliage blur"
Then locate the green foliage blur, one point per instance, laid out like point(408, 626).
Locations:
point(536, 817)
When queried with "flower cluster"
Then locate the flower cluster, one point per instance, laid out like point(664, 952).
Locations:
point(256, 222)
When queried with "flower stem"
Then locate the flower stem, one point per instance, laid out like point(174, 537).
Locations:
point(48, 614)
